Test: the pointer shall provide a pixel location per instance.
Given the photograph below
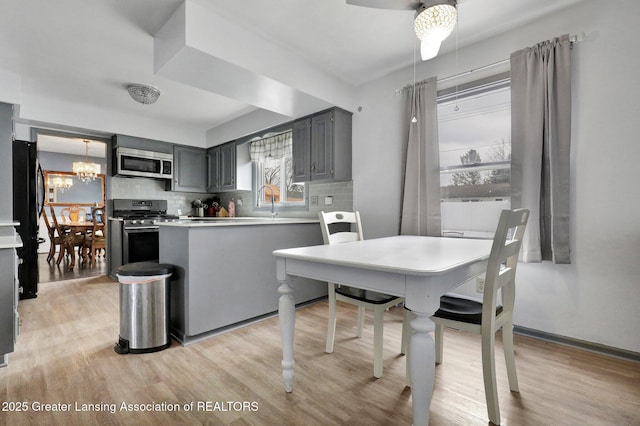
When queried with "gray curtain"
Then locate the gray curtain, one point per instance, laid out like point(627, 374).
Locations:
point(420, 192)
point(540, 146)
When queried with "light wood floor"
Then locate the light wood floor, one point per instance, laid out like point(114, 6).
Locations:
point(65, 356)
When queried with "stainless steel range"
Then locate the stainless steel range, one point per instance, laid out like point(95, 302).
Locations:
point(134, 230)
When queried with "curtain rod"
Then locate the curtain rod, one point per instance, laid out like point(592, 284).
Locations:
point(572, 39)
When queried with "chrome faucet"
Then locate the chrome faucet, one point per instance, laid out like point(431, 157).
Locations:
point(273, 211)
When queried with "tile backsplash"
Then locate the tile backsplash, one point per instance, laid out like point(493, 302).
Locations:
point(142, 188)
point(341, 194)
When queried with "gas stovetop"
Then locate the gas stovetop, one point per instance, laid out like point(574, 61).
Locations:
point(150, 219)
point(142, 212)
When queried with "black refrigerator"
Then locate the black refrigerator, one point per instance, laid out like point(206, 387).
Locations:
point(28, 199)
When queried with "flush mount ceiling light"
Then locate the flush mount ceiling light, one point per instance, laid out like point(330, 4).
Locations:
point(143, 93)
point(434, 20)
point(433, 23)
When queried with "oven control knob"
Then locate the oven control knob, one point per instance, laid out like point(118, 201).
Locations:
point(133, 222)
point(141, 222)
point(152, 221)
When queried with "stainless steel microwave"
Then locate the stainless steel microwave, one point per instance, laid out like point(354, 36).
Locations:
point(136, 162)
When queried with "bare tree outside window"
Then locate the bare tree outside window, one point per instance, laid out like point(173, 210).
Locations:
point(471, 157)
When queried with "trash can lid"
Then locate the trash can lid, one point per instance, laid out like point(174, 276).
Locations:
point(143, 269)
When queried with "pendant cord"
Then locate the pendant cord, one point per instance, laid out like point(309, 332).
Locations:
point(456, 107)
point(413, 96)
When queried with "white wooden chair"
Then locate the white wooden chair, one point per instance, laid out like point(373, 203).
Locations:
point(487, 317)
point(363, 299)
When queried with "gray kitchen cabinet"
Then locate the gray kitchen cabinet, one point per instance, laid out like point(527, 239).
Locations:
point(9, 319)
point(222, 167)
point(227, 272)
point(141, 143)
point(189, 169)
point(322, 147)
point(301, 157)
point(229, 167)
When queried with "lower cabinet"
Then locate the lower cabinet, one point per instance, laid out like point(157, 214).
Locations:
point(226, 275)
point(9, 319)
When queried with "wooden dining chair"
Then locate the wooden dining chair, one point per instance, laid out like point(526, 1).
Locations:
point(69, 240)
point(77, 214)
point(56, 243)
point(95, 241)
point(65, 213)
point(487, 317)
point(336, 229)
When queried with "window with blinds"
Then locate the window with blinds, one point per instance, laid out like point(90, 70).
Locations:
point(474, 126)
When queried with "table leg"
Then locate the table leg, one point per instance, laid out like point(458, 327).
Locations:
point(286, 313)
point(72, 253)
point(421, 367)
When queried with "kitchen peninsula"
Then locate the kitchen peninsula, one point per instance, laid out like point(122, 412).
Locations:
point(225, 271)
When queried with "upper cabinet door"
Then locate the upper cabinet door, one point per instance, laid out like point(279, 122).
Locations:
point(190, 168)
point(322, 146)
point(301, 150)
point(227, 167)
point(213, 160)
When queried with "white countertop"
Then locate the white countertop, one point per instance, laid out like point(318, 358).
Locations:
point(200, 222)
point(10, 241)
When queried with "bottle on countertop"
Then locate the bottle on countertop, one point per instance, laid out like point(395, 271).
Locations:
point(232, 208)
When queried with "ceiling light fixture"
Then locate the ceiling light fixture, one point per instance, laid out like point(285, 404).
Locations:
point(434, 22)
point(86, 171)
point(143, 93)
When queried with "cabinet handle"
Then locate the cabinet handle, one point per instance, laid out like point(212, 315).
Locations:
point(313, 168)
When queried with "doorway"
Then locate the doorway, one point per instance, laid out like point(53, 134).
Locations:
point(57, 152)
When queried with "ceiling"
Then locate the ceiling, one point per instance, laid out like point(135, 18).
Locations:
point(85, 52)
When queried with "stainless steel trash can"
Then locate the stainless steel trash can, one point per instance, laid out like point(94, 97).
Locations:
point(144, 307)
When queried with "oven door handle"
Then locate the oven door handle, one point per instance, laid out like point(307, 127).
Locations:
point(140, 228)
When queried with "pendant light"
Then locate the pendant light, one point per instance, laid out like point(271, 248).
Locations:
point(86, 171)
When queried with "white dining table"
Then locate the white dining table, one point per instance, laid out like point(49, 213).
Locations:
point(420, 269)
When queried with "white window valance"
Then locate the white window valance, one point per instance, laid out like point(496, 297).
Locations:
point(273, 147)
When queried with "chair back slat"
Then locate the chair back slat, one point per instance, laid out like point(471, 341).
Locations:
point(65, 213)
point(504, 277)
point(339, 217)
point(50, 228)
point(503, 261)
point(98, 216)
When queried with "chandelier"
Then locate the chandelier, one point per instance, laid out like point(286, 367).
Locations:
point(433, 23)
point(86, 171)
point(62, 184)
point(143, 93)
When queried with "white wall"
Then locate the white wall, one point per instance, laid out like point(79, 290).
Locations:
point(597, 297)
